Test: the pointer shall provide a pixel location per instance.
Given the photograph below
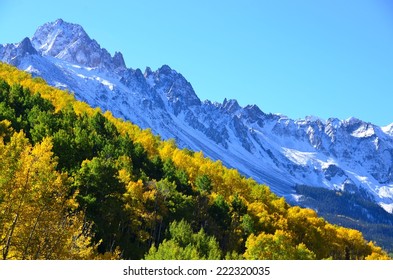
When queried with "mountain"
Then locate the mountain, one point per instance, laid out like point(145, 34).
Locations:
point(338, 156)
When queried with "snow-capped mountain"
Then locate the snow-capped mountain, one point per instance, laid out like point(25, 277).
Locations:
point(342, 155)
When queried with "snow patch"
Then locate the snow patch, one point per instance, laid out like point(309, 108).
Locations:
point(60, 85)
point(32, 70)
point(388, 129)
point(387, 207)
point(301, 158)
point(106, 83)
point(297, 197)
point(385, 192)
point(365, 130)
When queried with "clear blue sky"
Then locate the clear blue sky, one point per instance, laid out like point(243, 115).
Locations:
point(328, 58)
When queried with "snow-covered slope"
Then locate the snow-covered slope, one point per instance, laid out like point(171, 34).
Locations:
point(348, 155)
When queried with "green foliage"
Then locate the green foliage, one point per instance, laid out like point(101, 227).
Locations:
point(100, 196)
point(238, 205)
point(184, 244)
point(248, 224)
point(203, 184)
point(220, 212)
point(176, 175)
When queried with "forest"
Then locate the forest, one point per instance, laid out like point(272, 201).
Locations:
point(351, 210)
point(78, 183)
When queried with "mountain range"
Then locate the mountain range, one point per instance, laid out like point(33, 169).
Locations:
point(311, 162)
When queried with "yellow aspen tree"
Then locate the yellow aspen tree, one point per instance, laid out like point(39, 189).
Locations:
point(277, 246)
point(377, 253)
point(35, 210)
point(167, 149)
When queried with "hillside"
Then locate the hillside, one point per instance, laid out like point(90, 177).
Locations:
point(351, 157)
point(77, 183)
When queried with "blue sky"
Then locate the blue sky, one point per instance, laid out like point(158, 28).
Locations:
point(327, 58)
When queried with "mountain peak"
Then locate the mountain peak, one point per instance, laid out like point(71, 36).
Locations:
point(59, 21)
point(118, 60)
point(231, 105)
point(51, 38)
point(26, 47)
point(171, 84)
point(70, 42)
point(165, 70)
